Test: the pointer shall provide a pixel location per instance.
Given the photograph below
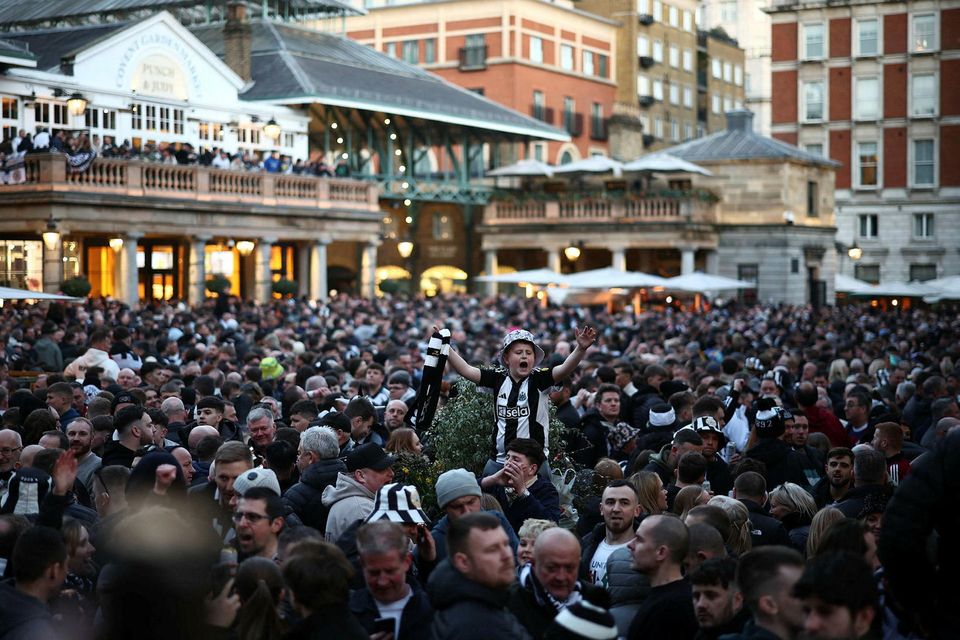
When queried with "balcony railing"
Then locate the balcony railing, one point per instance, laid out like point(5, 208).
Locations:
point(601, 210)
point(49, 173)
point(473, 58)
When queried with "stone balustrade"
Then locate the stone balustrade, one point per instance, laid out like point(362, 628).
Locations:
point(601, 211)
point(185, 183)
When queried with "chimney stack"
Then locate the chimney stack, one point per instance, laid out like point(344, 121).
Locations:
point(740, 120)
point(237, 39)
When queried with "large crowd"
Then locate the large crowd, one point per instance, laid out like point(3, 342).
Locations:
point(243, 471)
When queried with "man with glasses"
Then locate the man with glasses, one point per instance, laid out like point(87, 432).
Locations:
point(10, 447)
point(258, 521)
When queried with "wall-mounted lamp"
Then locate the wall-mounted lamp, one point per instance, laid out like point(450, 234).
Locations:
point(272, 129)
point(116, 244)
point(245, 247)
point(573, 251)
point(405, 248)
point(51, 236)
point(855, 252)
point(76, 103)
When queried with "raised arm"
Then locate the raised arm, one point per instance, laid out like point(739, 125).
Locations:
point(462, 367)
point(585, 338)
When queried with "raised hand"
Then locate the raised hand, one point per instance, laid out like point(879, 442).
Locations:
point(586, 336)
point(64, 473)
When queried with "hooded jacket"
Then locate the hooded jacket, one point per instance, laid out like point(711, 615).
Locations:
point(306, 497)
point(92, 358)
point(23, 617)
point(467, 610)
point(347, 501)
point(658, 465)
point(783, 464)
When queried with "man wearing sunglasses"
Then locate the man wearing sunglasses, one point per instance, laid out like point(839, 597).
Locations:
point(258, 520)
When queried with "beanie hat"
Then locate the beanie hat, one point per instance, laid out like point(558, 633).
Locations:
point(398, 503)
point(769, 422)
point(256, 478)
point(582, 620)
point(454, 484)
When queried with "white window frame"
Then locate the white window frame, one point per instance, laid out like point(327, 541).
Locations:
point(688, 60)
point(727, 72)
point(587, 63)
point(657, 51)
point(858, 38)
point(805, 54)
point(687, 131)
point(859, 113)
point(931, 47)
point(536, 49)
point(675, 94)
point(868, 225)
point(715, 103)
point(673, 16)
point(687, 21)
point(924, 225)
point(738, 75)
point(643, 85)
point(859, 167)
point(643, 46)
point(643, 7)
point(568, 58)
point(658, 127)
point(807, 148)
point(675, 131)
point(658, 90)
point(932, 162)
point(716, 68)
point(674, 56)
point(727, 104)
point(932, 113)
point(804, 104)
point(658, 10)
point(688, 97)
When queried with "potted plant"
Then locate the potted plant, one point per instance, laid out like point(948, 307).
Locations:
point(76, 287)
point(285, 287)
point(217, 283)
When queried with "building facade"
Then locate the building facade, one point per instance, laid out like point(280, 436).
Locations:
point(545, 59)
point(872, 85)
point(749, 24)
point(670, 62)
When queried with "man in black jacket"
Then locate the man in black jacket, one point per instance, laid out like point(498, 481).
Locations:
point(550, 584)
point(869, 483)
point(470, 590)
point(319, 464)
point(518, 487)
point(717, 601)
point(783, 464)
point(385, 560)
point(751, 489)
point(797, 430)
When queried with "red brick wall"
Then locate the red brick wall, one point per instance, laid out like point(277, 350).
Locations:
point(537, 26)
point(596, 44)
point(840, 151)
point(895, 157)
point(950, 29)
point(839, 93)
point(784, 103)
point(949, 83)
point(478, 24)
point(840, 38)
point(895, 33)
point(895, 90)
point(949, 148)
point(787, 136)
point(784, 42)
point(410, 29)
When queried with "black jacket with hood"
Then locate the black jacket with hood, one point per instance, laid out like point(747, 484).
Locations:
point(467, 610)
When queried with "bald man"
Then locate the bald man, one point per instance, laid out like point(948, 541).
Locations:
point(10, 450)
point(198, 433)
point(556, 562)
point(394, 414)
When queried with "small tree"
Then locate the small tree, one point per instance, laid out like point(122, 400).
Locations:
point(284, 287)
point(217, 283)
point(76, 287)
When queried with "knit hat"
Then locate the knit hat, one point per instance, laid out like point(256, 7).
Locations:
point(398, 503)
point(582, 620)
point(769, 421)
point(454, 484)
point(662, 416)
point(520, 335)
point(256, 478)
point(270, 368)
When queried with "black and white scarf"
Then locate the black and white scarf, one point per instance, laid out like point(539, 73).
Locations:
point(428, 395)
point(528, 580)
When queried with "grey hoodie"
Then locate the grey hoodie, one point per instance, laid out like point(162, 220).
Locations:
point(348, 502)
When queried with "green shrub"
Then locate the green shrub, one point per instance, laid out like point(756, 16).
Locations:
point(76, 287)
point(285, 287)
point(217, 283)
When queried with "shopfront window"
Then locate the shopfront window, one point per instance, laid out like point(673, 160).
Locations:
point(21, 264)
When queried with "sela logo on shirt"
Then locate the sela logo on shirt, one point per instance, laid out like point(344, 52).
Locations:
point(513, 413)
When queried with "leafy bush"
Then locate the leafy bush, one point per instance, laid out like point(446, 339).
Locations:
point(76, 287)
point(285, 287)
point(217, 283)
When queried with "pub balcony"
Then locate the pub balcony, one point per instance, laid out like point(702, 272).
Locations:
point(47, 175)
point(696, 208)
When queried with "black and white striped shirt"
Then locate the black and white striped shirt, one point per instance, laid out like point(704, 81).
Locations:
point(522, 408)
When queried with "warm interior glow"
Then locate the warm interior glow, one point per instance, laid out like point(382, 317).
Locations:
point(76, 104)
point(50, 239)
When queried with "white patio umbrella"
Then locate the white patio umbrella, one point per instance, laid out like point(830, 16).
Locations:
point(898, 289)
point(610, 278)
point(846, 284)
point(698, 282)
point(593, 164)
point(9, 293)
point(663, 163)
point(541, 277)
point(528, 168)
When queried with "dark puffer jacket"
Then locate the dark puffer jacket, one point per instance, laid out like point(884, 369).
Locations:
point(783, 464)
point(305, 496)
point(927, 500)
point(466, 610)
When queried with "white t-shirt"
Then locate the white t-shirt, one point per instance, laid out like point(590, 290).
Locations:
point(598, 563)
point(394, 610)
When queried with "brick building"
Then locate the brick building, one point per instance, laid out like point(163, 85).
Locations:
point(872, 85)
point(545, 59)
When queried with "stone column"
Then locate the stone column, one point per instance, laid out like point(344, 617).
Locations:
point(687, 255)
point(713, 261)
point(263, 291)
point(53, 267)
point(319, 289)
point(196, 292)
point(368, 270)
point(303, 269)
point(619, 258)
point(128, 255)
point(553, 258)
point(490, 268)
